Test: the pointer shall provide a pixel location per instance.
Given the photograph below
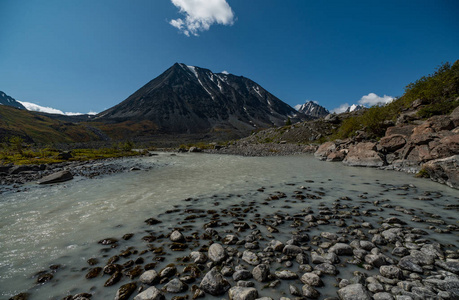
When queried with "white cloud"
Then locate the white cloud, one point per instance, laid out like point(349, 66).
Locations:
point(38, 108)
point(342, 108)
point(225, 72)
point(373, 99)
point(201, 14)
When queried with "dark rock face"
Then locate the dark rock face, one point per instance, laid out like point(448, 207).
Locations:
point(313, 109)
point(186, 99)
point(7, 100)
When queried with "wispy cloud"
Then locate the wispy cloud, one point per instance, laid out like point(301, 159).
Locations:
point(38, 108)
point(367, 100)
point(373, 99)
point(201, 14)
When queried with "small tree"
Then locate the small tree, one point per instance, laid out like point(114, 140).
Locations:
point(288, 122)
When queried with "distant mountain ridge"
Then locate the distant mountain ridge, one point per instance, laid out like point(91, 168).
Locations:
point(7, 100)
point(313, 109)
point(188, 99)
point(354, 107)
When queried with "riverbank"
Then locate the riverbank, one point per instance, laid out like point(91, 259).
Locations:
point(294, 233)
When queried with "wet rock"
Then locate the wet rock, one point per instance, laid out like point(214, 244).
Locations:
point(391, 272)
point(168, 271)
point(113, 279)
point(217, 253)
point(311, 279)
point(44, 278)
point(261, 273)
point(400, 251)
point(175, 286)
point(377, 260)
point(198, 257)
point(341, 249)
point(422, 258)
point(242, 293)
point(108, 241)
point(294, 290)
point(451, 266)
point(149, 277)
point(326, 268)
point(230, 239)
point(310, 292)
point(354, 292)
point(177, 237)
point(409, 263)
point(213, 283)
point(57, 177)
point(125, 291)
point(302, 259)
point(383, 296)
point(292, 250)
point(94, 272)
point(241, 275)
point(151, 293)
point(277, 245)
point(152, 221)
point(21, 296)
point(250, 258)
point(286, 275)
point(329, 235)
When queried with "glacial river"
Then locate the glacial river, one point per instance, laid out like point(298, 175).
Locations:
point(61, 224)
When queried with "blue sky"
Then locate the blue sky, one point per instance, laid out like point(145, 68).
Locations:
point(81, 56)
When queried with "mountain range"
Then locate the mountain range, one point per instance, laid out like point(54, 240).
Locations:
point(183, 100)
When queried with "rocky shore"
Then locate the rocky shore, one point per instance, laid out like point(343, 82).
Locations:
point(14, 178)
point(430, 146)
point(293, 243)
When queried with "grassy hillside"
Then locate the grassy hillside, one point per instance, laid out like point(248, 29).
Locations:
point(39, 129)
point(438, 93)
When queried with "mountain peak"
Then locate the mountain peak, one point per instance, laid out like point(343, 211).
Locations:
point(190, 99)
point(313, 109)
point(10, 101)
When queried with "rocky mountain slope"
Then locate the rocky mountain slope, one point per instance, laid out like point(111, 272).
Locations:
point(36, 128)
point(313, 109)
point(187, 99)
point(9, 101)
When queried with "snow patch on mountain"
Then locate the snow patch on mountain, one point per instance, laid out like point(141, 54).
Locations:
point(49, 110)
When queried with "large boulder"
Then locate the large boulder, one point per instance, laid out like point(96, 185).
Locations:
point(60, 176)
point(324, 150)
point(363, 155)
point(392, 143)
point(444, 170)
point(217, 253)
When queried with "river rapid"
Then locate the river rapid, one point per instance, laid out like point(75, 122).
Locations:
point(61, 224)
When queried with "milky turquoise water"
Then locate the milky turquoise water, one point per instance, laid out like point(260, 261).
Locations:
point(61, 224)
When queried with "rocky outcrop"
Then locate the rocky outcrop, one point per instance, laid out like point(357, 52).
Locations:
point(432, 145)
point(444, 170)
point(363, 155)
